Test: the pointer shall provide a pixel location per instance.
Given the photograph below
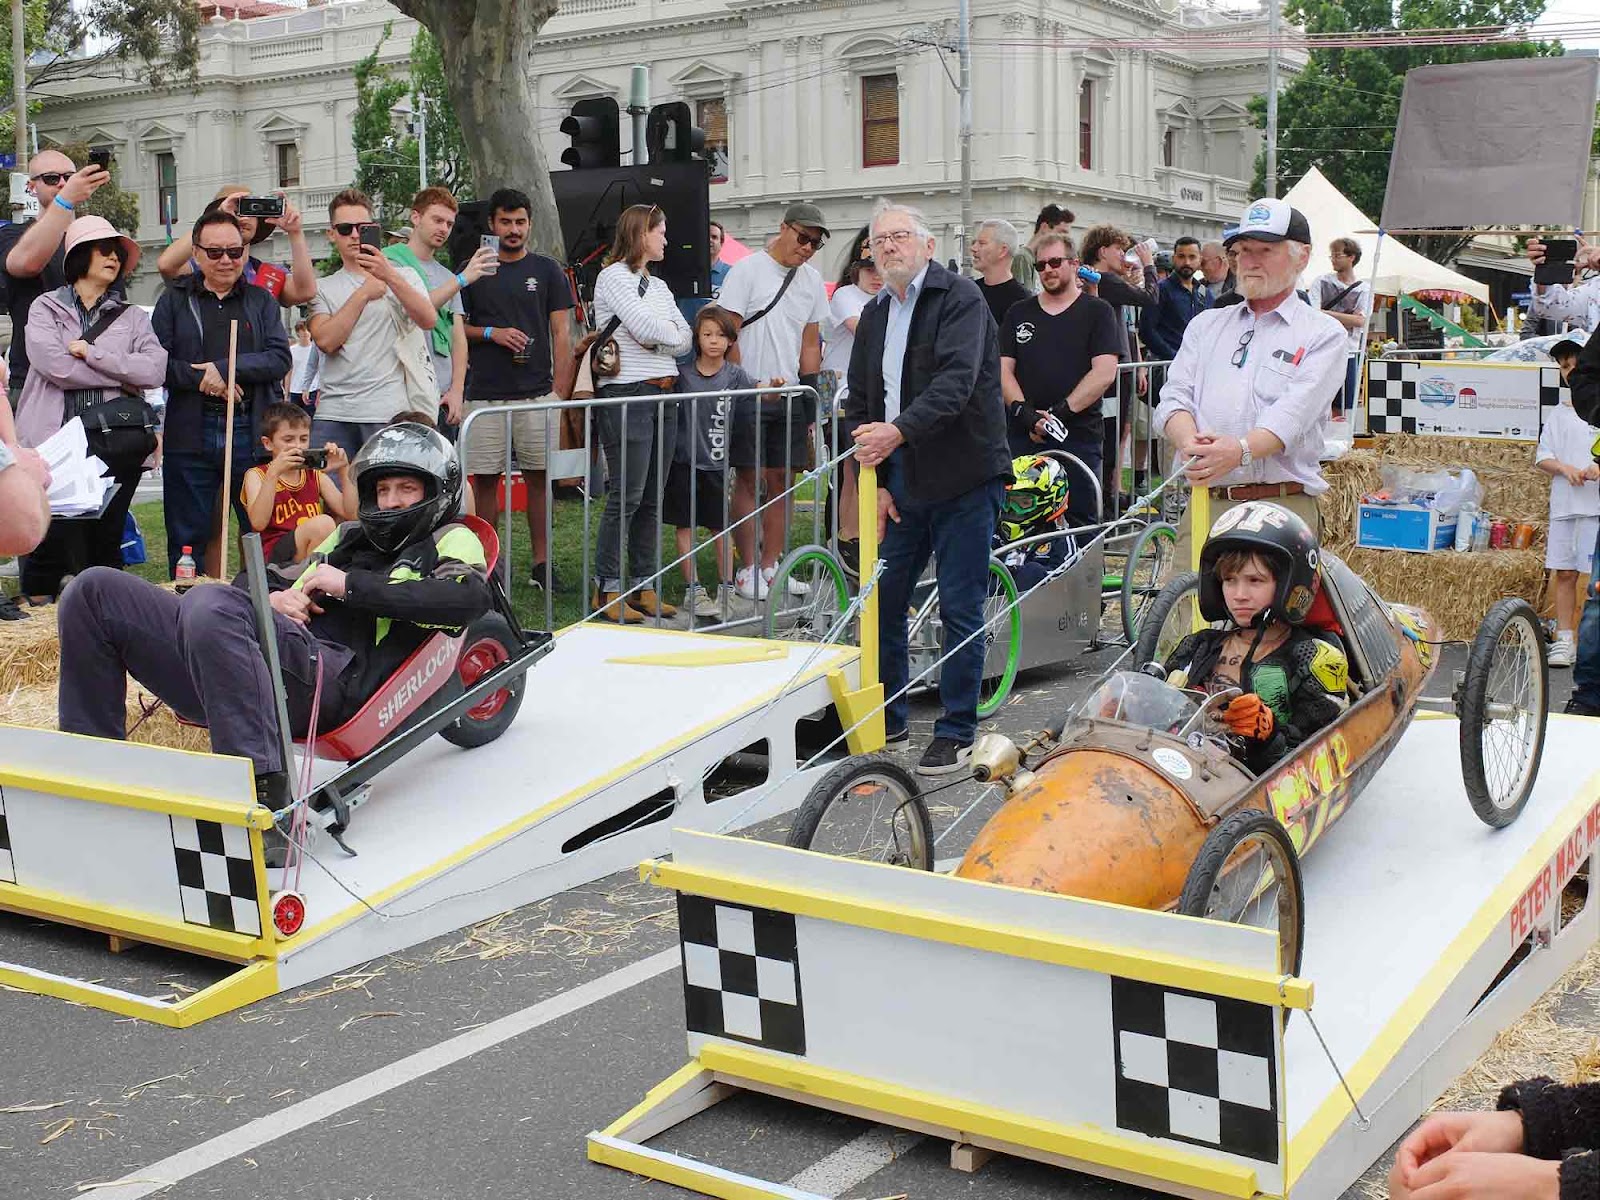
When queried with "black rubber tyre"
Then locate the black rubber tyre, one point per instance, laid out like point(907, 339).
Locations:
point(1504, 706)
point(1174, 605)
point(1150, 564)
point(1220, 892)
point(489, 642)
point(869, 807)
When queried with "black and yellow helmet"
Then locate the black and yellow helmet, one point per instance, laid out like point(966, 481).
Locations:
point(1037, 498)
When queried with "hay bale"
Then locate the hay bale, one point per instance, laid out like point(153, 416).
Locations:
point(30, 652)
point(35, 706)
point(1478, 453)
point(1456, 589)
point(1349, 478)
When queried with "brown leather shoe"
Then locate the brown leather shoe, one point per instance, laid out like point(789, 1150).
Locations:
point(651, 604)
point(613, 607)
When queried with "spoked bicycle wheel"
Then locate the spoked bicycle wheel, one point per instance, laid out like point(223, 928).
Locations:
point(1168, 619)
point(812, 616)
point(1504, 706)
point(867, 808)
point(1150, 564)
point(1002, 639)
point(1247, 873)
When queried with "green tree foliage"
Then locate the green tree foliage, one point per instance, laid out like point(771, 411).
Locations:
point(119, 207)
point(1339, 114)
point(159, 37)
point(386, 149)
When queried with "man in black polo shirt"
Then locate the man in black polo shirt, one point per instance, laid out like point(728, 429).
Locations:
point(31, 252)
point(1058, 355)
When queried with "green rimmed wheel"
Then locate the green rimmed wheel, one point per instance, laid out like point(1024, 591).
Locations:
point(808, 613)
point(1172, 616)
point(1002, 639)
point(1150, 564)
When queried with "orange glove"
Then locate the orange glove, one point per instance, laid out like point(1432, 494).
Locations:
point(1249, 717)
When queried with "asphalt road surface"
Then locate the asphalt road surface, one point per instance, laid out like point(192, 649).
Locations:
point(471, 1066)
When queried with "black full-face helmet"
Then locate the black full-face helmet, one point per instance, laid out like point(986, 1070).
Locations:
point(1282, 539)
point(423, 454)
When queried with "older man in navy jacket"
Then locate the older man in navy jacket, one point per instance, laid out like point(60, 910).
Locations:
point(925, 403)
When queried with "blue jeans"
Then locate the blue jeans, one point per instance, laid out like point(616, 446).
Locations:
point(191, 480)
point(348, 435)
point(1586, 666)
point(957, 533)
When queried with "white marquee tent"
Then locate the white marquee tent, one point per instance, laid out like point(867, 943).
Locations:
point(1401, 270)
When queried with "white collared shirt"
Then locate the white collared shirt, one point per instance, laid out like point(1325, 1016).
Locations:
point(1293, 365)
point(894, 341)
point(1575, 303)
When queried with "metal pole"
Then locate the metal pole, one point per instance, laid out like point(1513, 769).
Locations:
point(1272, 97)
point(422, 140)
point(19, 83)
point(255, 568)
point(964, 45)
point(639, 109)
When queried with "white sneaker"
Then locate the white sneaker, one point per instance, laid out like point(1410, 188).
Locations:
point(696, 600)
point(747, 582)
point(794, 586)
point(1563, 653)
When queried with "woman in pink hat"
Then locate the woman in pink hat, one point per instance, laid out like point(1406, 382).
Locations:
point(86, 345)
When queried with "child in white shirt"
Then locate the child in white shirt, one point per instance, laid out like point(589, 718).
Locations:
point(1566, 454)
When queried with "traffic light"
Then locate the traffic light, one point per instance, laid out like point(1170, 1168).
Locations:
point(671, 135)
point(594, 130)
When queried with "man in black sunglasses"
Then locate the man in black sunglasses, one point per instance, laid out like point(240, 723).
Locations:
point(31, 250)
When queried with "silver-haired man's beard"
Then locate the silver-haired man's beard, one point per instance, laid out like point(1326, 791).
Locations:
point(1273, 283)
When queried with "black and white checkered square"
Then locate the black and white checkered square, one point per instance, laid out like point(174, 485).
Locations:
point(1551, 389)
point(741, 974)
point(1389, 386)
point(1196, 1068)
point(216, 879)
point(8, 868)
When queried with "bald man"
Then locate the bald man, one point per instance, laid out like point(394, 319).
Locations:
point(1214, 267)
point(31, 251)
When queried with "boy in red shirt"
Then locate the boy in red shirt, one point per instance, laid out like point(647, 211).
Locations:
point(294, 507)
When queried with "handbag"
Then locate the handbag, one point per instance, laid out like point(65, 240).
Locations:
point(600, 354)
point(121, 431)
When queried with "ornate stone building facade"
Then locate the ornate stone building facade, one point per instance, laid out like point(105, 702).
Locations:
point(839, 101)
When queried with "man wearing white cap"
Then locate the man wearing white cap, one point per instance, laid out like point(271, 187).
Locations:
point(1247, 394)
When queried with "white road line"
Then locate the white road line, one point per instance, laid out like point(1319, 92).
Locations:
point(859, 1160)
point(186, 1163)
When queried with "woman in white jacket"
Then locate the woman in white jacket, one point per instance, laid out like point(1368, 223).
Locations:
point(650, 333)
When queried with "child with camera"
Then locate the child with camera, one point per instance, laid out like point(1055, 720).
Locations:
point(290, 497)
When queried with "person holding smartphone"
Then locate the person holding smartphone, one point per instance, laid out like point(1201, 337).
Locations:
point(293, 284)
point(358, 316)
point(1576, 302)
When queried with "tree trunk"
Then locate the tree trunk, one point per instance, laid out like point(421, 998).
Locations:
point(487, 46)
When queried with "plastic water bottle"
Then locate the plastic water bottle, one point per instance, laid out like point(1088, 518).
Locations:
point(183, 574)
point(1466, 522)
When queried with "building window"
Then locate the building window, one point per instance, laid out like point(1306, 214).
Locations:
point(1168, 148)
point(166, 188)
point(712, 116)
point(288, 165)
point(880, 120)
point(1086, 125)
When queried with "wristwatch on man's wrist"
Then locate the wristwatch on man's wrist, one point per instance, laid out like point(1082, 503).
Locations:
point(1244, 452)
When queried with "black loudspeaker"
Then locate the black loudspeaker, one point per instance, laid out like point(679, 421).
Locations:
point(472, 222)
point(591, 201)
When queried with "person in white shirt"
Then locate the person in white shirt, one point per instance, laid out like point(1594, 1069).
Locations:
point(1347, 300)
point(780, 304)
point(305, 368)
point(1248, 392)
point(863, 282)
point(1577, 303)
point(1566, 454)
point(651, 334)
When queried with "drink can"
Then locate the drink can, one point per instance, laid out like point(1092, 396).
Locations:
point(1523, 537)
point(1499, 535)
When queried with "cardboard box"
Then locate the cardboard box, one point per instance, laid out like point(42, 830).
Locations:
point(1404, 527)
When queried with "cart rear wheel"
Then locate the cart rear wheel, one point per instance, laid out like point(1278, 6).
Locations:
point(1247, 873)
point(489, 642)
point(869, 808)
point(1504, 705)
point(1168, 619)
point(1002, 639)
point(1150, 564)
point(808, 618)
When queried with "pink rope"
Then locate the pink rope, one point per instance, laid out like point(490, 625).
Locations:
point(297, 826)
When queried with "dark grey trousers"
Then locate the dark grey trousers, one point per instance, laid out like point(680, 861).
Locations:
point(197, 652)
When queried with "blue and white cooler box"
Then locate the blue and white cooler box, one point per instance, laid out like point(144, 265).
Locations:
point(1410, 527)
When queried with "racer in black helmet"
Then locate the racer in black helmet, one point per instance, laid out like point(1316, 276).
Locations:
point(354, 611)
point(1258, 580)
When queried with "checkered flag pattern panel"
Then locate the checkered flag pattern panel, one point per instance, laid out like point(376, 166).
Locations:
point(1551, 389)
point(216, 879)
point(8, 869)
point(1389, 386)
point(741, 974)
point(1196, 1068)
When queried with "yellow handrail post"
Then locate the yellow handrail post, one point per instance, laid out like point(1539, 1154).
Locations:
point(867, 505)
point(1199, 529)
point(861, 708)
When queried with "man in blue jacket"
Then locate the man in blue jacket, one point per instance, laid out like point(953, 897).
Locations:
point(1179, 297)
point(192, 321)
point(924, 401)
